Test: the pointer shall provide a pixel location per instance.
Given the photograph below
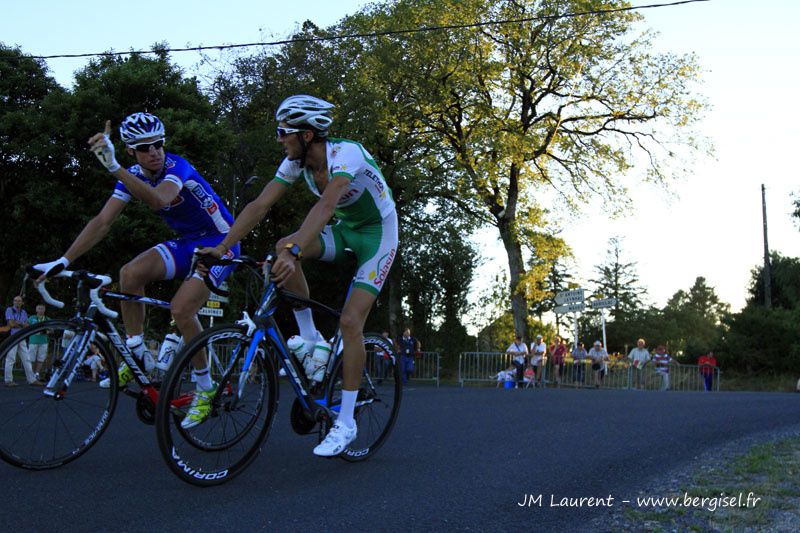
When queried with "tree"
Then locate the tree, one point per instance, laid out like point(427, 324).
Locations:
point(564, 104)
point(695, 318)
point(785, 282)
point(618, 279)
point(36, 155)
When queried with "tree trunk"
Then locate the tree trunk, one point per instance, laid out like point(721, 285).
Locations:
point(395, 299)
point(516, 267)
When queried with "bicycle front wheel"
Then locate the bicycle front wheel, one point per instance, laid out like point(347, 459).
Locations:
point(46, 428)
point(238, 416)
point(378, 401)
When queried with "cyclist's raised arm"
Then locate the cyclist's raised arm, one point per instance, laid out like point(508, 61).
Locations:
point(251, 215)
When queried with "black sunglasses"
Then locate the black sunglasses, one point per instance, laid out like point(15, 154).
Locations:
point(145, 147)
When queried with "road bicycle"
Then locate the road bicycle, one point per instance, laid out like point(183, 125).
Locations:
point(243, 408)
point(46, 427)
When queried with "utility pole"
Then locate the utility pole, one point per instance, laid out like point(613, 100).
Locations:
point(767, 270)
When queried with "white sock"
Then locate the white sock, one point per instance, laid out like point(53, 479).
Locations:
point(203, 379)
point(347, 408)
point(305, 321)
point(136, 345)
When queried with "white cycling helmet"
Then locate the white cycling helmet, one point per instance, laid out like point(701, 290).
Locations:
point(140, 126)
point(305, 110)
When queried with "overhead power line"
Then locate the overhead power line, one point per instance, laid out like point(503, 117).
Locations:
point(374, 34)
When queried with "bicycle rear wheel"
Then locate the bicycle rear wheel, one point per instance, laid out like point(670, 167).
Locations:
point(229, 439)
point(40, 431)
point(378, 401)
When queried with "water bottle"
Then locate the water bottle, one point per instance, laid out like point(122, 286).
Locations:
point(315, 365)
point(297, 345)
point(172, 343)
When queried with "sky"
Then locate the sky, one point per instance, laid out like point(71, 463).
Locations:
point(709, 223)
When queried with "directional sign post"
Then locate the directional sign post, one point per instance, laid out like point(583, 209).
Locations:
point(570, 297)
point(605, 303)
point(569, 308)
point(570, 302)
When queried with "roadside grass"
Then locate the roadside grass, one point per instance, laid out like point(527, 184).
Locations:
point(767, 471)
point(734, 381)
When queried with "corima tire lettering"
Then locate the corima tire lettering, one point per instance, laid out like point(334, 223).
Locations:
point(196, 473)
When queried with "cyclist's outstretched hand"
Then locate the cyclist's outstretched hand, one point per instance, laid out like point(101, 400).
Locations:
point(52, 268)
point(103, 148)
point(283, 268)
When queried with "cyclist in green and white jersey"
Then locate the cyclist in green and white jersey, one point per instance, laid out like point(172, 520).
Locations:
point(350, 185)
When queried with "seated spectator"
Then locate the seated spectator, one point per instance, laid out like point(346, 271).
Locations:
point(94, 361)
point(505, 375)
point(530, 374)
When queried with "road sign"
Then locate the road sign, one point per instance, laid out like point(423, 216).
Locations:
point(207, 311)
point(570, 297)
point(569, 308)
point(604, 303)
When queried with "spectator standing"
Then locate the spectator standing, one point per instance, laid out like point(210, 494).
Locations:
point(662, 361)
point(558, 351)
point(409, 346)
point(599, 356)
point(707, 364)
point(37, 344)
point(638, 357)
point(538, 353)
point(519, 357)
point(384, 361)
point(579, 355)
point(17, 318)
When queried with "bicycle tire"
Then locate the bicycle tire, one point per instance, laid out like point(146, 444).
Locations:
point(378, 404)
point(223, 445)
point(32, 423)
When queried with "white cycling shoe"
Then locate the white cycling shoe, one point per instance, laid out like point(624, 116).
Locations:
point(336, 441)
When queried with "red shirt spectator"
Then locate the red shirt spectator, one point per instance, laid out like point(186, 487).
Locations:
point(707, 363)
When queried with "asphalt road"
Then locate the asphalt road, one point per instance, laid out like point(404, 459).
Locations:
point(457, 459)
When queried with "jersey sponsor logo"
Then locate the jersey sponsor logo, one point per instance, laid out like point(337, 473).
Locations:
point(348, 195)
point(169, 163)
point(376, 179)
point(178, 200)
point(204, 199)
point(378, 277)
point(172, 244)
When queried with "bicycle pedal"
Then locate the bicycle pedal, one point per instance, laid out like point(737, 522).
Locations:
point(129, 392)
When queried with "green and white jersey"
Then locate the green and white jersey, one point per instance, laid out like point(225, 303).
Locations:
point(367, 200)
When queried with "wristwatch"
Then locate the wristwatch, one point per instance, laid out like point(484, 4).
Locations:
point(294, 250)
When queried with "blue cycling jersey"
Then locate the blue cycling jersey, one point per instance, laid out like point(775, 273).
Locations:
point(196, 211)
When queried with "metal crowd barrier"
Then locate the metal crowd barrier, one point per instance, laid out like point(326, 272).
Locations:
point(427, 366)
point(482, 367)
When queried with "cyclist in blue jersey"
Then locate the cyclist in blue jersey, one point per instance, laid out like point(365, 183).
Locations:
point(169, 185)
point(349, 184)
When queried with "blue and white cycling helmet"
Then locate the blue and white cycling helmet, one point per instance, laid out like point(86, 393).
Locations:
point(139, 126)
point(305, 110)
